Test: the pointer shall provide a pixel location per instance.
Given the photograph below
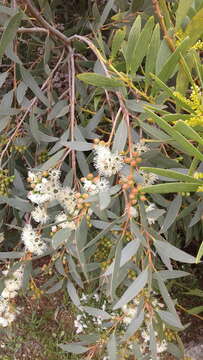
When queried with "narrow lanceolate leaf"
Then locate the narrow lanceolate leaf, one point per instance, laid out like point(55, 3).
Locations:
point(181, 140)
point(172, 213)
point(167, 299)
point(77, 145)
point(10, 32)
point(142, 45)
point(112, 347)
point(168, 69)
point(97, 312)
point(73, 348)
point(134, 325)
point(173, 252)
point(170, 174)
point(52, 161)
point(137, 285)
point(171, 188)
point(183, 7)
point(117, 41)
point(152, 52)
point(188, 131)
point(116, 268)
point(3, 77)
point(128, 251)
point(200, 253)
point(169, 319)
point(167, 275)
point(73, 294)
point(132, 41)
point(104, 199)
point(80, 240)
point(120, 137)
point(100, 80)
point(194, 28)
point(32, 84)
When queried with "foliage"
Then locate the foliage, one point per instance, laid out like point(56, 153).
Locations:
point(101, 166)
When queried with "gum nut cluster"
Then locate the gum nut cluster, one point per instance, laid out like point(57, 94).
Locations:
point(94, 185)
point(33, 241)
point(5, 181)
point(106, 162)
point(12, 283)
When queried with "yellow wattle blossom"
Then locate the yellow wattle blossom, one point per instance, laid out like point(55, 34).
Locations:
point(180, 36)
point(195, 103)
point(200, 188)
point(198, 175)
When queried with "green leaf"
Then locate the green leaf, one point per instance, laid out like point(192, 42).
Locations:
point(132, 41)
point(80, 241)
point(73, 294)
point(104, 199)
point(140, 50)
point(170, 188)
point(120, 137)
point(181, 12)
point(137, 285)
point(100, 80)
point(60, 237)
point(32, 84)
point(59, 109)
point(78, 145)
point(117, 41)
point(112, 347)
point(199, 254)
point(172, 213)
point(106, 12)
point(11, 255)
point(181, 140)
point(55, 288)
point(97, 312)
point(10, 32)
point(170, 174)
point(152, 52)
point(188, 131)
point(167, 275)
point(169, 319)
point(116, 267)
point(73, 348)
point(52, 161)
point(195, 27)
point(168, 69)
point(126, 254)
point(173, 252)
point(196, 310)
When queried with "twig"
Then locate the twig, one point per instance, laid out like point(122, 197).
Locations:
point(157, 11)
point(28, 30)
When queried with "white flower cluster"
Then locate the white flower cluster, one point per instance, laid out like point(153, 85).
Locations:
point(106, 162)
point(62, 218)
point(95, 186)
point(130, 311)
point(140, 147)
point(45, 185)
point(148, 178)
point(161, 346)
point(12, 284)
point(33, 241)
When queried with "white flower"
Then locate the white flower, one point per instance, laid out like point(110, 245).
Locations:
point(38, 198)
point(84, 297)
point(3, 322)
point(145, 336)
point(40, 215)
point(107, 163)
point(67, 199)
point(140, 147)
point(95, 187)
point(96, 297)
point(161, 347)
point(133, 212)
point(149, 178)
point(32, 241)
